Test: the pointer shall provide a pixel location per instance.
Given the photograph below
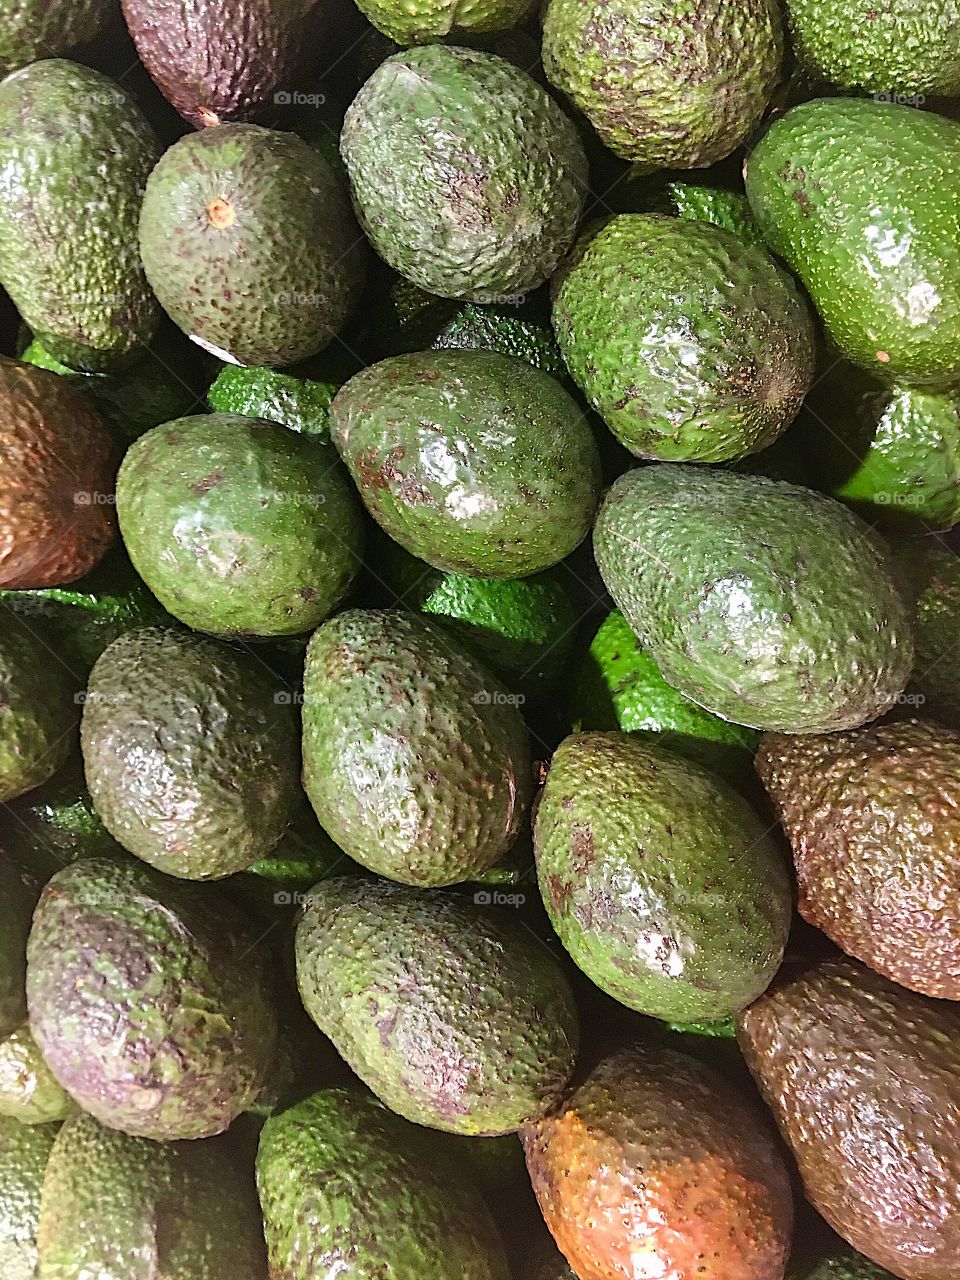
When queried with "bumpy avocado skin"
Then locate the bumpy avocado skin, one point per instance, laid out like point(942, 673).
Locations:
point(415, 757)
point(68, 215)
point(768, 604)
point(298, 403)
point(467, 177)
point(877, 1136)
point(35, 30)
point(346, 1185)
point(247, 240)
point(38, 710)
point(690, 1176)
point(693, 202)
point(660, 880)
point(150, 999)
point(239, 526)
point(871, 816)
point(124, 1208)
point(471, 460)
point(667, 85)
point(896, 313)
point(931, 580)
point(691, 343)
point(29, 1092)
point(24, 1152)
point(423, 21)
point(382, 970)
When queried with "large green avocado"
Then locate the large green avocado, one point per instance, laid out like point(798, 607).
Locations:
point(473, 461)
point(467, 177)
point(383, 970)
point(876, 1136)
point(75, 153)
point(930, 577)
point(348, 1189)
point(862, 200)
point(150, 999)
point(415, 757)
point(239, 526)
point(24, 1152)
point(38, 708)
point(47, 28)
point(190, 754)
point(692, 343)
point(660, 880)
point(29, 1091)
point(768, 604)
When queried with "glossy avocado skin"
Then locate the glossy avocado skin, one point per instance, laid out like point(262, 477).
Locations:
point(660, 880)
point(877, 1147)
point(29, 1092)
point(768, 604)
point(466, 176)
point(472, 461)
point(38, 711)
point(930, 577)
point(24, 1152)
point(346, 1184)
point(175, 973)
point(690, 1175)
point(68, 218)
point(298, 403)
point(735, 380)
point(382, 970)
point(897, 253)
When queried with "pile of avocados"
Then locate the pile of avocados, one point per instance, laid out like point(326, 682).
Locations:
point(480, 640)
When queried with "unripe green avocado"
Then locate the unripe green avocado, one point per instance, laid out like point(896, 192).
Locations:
point(38, 709)
point(422, 21)
point(24, 1152)
point(298, 403)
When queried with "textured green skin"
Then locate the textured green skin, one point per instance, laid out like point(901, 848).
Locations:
point(350, 1190)
point(38, 712)
point(768, 604)
point(18, 898)
point(660, 880)
point(32, 30)
point(911, 47)
point(862, 200)
point(691, 343)
point(150, 999)
point(277, 284)
point(422, 21)
point(24, 1151)
point(382, 970)
point(729, 210)
point(676, 84)
point(297, 403)
point(467, 177)
point(116, 1207)
point(415, 758)
point(190, 758)
point(239, 526)
point(69, 202)
point(29, 1091)
point(878, 1148)
point(471, 460)
point(843, 1267)
point(932, 576)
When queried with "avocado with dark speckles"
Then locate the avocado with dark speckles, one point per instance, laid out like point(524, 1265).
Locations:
point(38, 708)
point(24, 1152)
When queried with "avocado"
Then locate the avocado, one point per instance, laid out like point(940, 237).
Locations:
point(41, 29)
point(654, 1164)
point(931, 580)
point(38, 708)
point(863, 1078)
point(766, 603)
point(382, 969)
point(833, 184)
point(667, 86)
point(150, 999)
point(845, 1265)
point(428, 20)
point(695, 202)
point(239, 526)
point(471, 460)
point(298, 403)
point(247, 240)
point(69, 202)
point(123, 1208)
point(18, 897)
point(466, 176)
point(351, 1190)
point(415, 757)
point(190, 756)
point(24, 1152)
point(56, 518)
point(691, 343)
point(28, 1090)
point(660, 880)
point(870, 816)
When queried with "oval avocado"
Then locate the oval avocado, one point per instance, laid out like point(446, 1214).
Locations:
point(38, 709)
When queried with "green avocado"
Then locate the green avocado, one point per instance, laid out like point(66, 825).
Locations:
point(38, 707)
point(190, 754)
point(18, 897)
point(239, 526)
point(150, 999)
point(298, 403)
point(382, 970)
point(471, 460)
point(41, 29)
point(930, 576)
point(24, 1152)
point(691, 343)
point(423, 21)
point(75, 153)
point(351, 1190)
point(862, 201)
point(845, 1265)
point(768, 604)
point(29, 1091)
point(467, 177)
point(694, 202)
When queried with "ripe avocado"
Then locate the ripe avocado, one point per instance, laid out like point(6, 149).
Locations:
point(382, 970)
point(38, 709)
point(47, 28)
point(467, 177)
point(298, 403)
point(423, 21)
point(24, 1152)
point(150, 999)
point(472, 461)
point(930, 575)
point(29, 1092)
point(768, 604)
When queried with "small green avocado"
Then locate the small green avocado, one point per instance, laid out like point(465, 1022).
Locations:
point(38, 709)
point(29, 1091)
point(24, 1153)
point(298, 403)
